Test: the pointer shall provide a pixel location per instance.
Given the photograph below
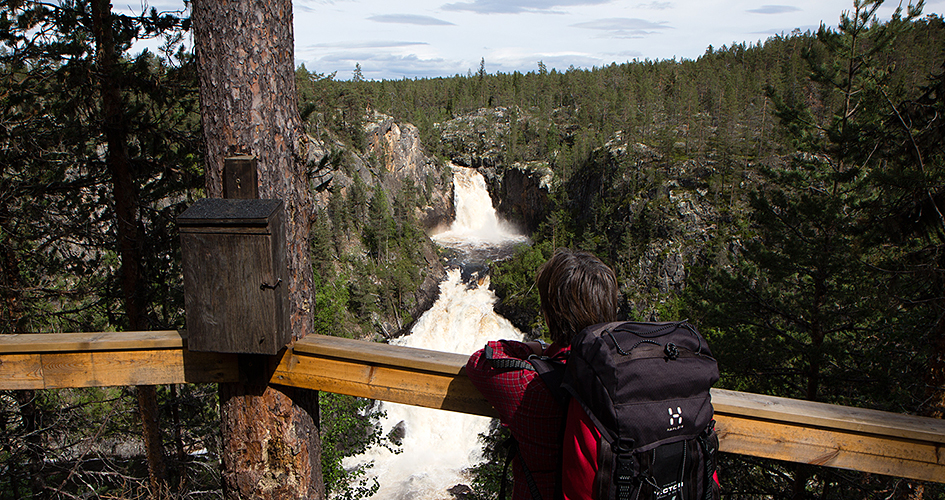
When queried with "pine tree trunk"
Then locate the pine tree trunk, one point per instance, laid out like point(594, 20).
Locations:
point(130, 237)
point(271, 447)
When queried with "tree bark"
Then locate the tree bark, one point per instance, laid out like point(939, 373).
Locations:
point(248, 106)
point(129, 231)
point(244, 49)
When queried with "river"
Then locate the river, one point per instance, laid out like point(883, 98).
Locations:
point(439, 445)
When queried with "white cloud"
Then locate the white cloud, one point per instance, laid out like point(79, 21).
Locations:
point(622, 27)
point(364, 44)
point(517, 6)
point(656, 5)
point(774, 9)
point(410, 19)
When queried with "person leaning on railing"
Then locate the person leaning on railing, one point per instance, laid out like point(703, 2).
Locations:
point(577, 290)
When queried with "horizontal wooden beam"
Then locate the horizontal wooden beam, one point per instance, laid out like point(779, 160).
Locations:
point(406, 375)
point(62, 360)
point(748, 424)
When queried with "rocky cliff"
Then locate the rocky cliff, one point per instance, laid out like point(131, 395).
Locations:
point(393, 156)
point(402, 157)
point(393, 160)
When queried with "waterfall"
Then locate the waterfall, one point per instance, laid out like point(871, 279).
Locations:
point(438, 445)
point(476, 221)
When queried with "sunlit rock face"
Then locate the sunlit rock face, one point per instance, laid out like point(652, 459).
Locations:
point(393, 155)
point(397, 150)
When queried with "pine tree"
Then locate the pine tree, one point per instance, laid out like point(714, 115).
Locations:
point(909, 211)
point(249, 105)
point(804, 295)
point(99, 156)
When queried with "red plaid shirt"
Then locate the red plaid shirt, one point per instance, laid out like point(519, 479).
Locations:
point(528, 409)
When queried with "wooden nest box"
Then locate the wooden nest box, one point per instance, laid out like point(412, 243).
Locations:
point(235, 274)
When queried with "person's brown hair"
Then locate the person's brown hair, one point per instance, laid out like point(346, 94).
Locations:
point(577, 290)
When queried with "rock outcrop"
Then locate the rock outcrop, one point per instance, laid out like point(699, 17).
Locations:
point(393, 159)
point(478, 139)
point(523, 194)
point(394, 155)
point(401, 157)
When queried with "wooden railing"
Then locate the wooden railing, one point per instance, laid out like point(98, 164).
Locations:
point(748, 424)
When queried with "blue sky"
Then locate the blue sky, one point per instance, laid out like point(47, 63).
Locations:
point(393, 39)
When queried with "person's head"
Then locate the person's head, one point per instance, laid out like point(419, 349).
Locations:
point(577, 290)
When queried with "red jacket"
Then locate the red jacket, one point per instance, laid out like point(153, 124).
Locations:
point(527, 407)
point(579, 463)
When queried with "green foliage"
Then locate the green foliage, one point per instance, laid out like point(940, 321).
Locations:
point(59, 252)
point(379, 228)
point(388, 282)
point(331, 302)
point(331, 107)
point(489, 474)
point(513, 281)
point(356, 204)
point(807, 307)
point(805, 284)
point(59, 249)
point(349, 426)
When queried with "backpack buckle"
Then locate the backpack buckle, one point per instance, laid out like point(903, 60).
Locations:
point(625, 475)
point(625, 471)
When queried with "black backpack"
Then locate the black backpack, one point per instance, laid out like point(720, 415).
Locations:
point(645, 387)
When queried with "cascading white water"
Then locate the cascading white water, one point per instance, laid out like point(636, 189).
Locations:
point(476, 223)
point(438, 445)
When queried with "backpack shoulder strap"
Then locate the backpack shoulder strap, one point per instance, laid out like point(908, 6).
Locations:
point(505, 363)
point(512, 449)
point(551, 372)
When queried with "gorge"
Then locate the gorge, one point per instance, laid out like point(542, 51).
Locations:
point(437, 445)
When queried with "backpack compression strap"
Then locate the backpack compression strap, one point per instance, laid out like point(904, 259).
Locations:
point(709, 442)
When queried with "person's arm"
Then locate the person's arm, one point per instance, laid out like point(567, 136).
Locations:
point(538, 347)
point(501, 387)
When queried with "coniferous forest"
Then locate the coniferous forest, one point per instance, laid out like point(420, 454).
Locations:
point(786, 197)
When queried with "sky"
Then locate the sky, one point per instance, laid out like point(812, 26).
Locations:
point(394, 39)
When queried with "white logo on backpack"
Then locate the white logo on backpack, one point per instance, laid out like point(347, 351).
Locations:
point(675, 419)
point(665, 492)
